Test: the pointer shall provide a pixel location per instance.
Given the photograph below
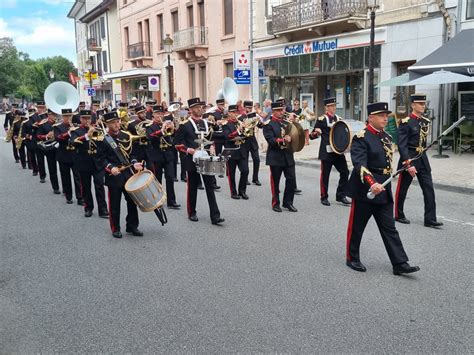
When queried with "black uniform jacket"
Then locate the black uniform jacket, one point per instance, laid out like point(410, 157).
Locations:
point(372, 154)
point(108, 158)
point(65, 153)
point(412, 136)
point(162, 146)
point(277, 153)
point(85, 158)
point(322, 124)
point(29, 131)
point(44, 127)
point(141, 146)
point(230, 131)
point(184, 139)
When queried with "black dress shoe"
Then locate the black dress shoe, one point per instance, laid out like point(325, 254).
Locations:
point(117, 234)
point(69, 202)
point(216, 187)
point(88, 213)
point(403, 220)
point(42, 181)
point(200, 187)
point(80, 202)
point(193, 218)
point(244, 196)
point(35, 174)
point(235, 197)
point(298, 192)
point(433, 224)
point(17, 161)
point(290, 208)
point(248, 183)
point(104, 214)
point(134, 231)
point(218, 221)
point(258, 183)
point(57, 192)
point(276, 208)
point(325, 202)
point(404, 268)
point(174, 206)
point(356, 265)
point(343, 200)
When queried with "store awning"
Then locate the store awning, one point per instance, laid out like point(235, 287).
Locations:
point(132, 73)
point(456, 55)
point(396, 81)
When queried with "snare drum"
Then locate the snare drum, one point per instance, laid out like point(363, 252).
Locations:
point(146, 191)
point(211, 165)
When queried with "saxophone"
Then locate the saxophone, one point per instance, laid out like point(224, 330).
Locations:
point(9, 136)
point(19, 139)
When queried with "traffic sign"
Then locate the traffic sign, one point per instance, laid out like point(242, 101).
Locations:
point(242, 60)
point(242, 76)
point(90, 91)
point(87, 76)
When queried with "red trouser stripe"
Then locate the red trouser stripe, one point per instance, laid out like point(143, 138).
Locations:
point(397, 193)
point(111, 221)
point(272, 185)
point(321, 183)
point(349, 230)
point(229, 178)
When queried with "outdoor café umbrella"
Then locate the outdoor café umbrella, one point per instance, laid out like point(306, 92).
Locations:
point(395, 81)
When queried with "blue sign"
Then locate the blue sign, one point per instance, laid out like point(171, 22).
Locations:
point(91, 91)
point(242, 76)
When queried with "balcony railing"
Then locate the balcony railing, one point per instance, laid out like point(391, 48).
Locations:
point(93, 44)
point(307, 13)
point(138, 50)
point(189, 38)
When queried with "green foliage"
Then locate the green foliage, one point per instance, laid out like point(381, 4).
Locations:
point(20, 76)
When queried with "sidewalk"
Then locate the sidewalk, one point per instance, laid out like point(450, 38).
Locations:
point(455, 173)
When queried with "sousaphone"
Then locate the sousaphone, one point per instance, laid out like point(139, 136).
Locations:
point(59, 95)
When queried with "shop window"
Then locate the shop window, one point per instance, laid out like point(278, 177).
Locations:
point(377, 50)
point(357, 58)
point(329, 61)
point(270, 67)
point(294, 65)
point(469, 9)
point(283, 66)
point(316, 62)
point(305, 63)
point(342, 59)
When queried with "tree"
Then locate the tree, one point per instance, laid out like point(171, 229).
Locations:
point(9, 67)
point(60, 65)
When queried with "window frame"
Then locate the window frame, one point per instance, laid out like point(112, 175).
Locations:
point(224, 22)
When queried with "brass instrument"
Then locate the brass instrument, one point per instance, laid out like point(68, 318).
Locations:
point(168, 128)
point(298, 118)
point(249, 126)
point(19, 139)
point(124, 117)
point(295, 131)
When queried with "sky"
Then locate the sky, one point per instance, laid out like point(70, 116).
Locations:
point(40, 28)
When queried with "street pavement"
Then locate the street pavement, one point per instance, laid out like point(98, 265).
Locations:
point(262, 282)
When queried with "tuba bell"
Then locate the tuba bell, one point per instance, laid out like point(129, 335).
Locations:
point(59, 95)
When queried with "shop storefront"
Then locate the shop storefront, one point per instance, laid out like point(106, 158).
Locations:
point(312, 70)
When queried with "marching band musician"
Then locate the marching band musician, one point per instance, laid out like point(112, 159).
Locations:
point(95, 106)
point(372, 154)
point(86, 149)
point(45, 133)
point(149, 109)
point(12, 117)
point(186, 145)
point(141, 145)
point(412, 136)
point(251, 145)
point(17, 130)
point(238, 157)
point(116, 177)
point(160, 133)
point(218, 115)
point(31, 134)
point(27, 136)
point(76, 118)
point(328, 158)
point(279, 158)
point(65, 157)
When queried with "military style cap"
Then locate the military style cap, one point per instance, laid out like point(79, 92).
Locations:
point(329, 101)
point(31, 110)
point(82, 103)
point(14, 105)
point(251, 115)
point(95, 102)
point(203, 103)
point(150, 102)
point(100, 112)
point(40, 103)
point(281, 100)
point(85, 113)
point(194, 101)
point(43, 116)
point(278, 105)
point(377, 107)
point(168, 117)
point(233, 108)
point(158, 108)
point(123, 104)
point(248, 104)
point(139, 109)
point(66, 111)
point(111, 116)
point(418, 98)
point(205, 115)
point(49, 111)
point(220, 101)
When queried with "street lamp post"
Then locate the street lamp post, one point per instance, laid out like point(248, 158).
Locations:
point(168, 44)
point(51, 74)
point(89, 64)
point(372, 6)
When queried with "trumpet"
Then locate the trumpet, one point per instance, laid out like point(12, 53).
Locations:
point(168, 128)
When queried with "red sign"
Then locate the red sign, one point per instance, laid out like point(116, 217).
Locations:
point(72, 78)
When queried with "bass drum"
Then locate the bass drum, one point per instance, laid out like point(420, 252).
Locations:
point(340, 137)
point(146, 191)
point(296, 132)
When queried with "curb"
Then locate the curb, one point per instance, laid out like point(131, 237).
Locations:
point(439, 186)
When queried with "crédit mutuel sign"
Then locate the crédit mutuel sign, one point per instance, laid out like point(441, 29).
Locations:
point(310, 47)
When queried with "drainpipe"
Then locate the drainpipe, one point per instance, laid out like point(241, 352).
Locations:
point(251, 50)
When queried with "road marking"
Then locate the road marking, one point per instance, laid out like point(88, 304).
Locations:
point(456, 221)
